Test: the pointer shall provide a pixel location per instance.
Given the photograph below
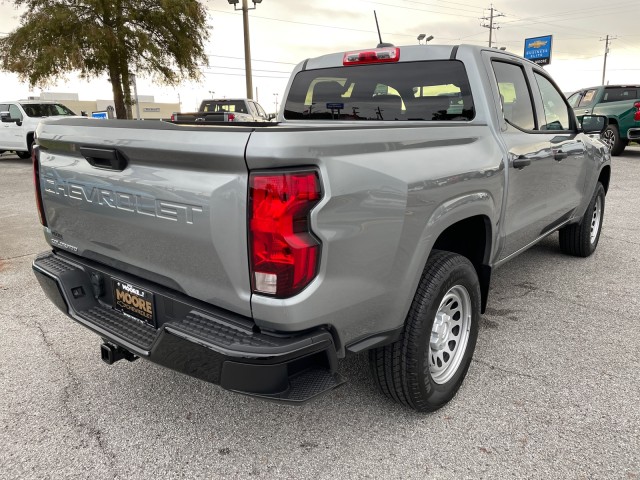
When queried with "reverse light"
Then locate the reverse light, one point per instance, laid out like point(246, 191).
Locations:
point(35, 160)
point(376, 55)
point(283, 250)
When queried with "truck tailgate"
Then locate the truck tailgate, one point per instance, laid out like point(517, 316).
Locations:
point(175, 214)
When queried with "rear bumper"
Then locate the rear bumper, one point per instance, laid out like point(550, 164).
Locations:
point(633, 134)
point(191, 337)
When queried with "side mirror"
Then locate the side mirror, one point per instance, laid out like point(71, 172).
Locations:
point(6, 118)
point(271, 116)
point(594, 123)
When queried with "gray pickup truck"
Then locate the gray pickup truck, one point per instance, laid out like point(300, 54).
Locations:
point(370, 217)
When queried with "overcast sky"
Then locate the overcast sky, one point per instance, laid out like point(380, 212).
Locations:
point(284, 32)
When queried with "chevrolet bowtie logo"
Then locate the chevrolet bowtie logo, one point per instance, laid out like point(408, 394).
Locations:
point(538, 43)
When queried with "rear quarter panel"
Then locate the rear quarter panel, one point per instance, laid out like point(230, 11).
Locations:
point(388, 193)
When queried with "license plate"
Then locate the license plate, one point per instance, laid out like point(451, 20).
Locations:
point(134, 301)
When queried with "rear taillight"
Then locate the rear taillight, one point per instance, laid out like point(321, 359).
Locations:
point(173, 117)
point(636, 117)
point(283, 251)
point(376, 55)
point(35, 159)
point(231, 117)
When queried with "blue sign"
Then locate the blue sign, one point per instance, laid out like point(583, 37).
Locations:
point(335, 106)
point(538, 49)
point(102, 115)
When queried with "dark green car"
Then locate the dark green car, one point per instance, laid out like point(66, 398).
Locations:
point(619, 103)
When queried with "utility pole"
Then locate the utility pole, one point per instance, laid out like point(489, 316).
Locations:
point(247, 48)
point(493, 14)
point(607, 41)
point(135, 94)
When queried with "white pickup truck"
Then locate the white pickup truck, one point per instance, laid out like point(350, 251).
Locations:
point(19, 121)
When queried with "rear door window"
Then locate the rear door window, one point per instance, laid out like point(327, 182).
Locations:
point(515, 96)
point(617, 94)
point(411, 91)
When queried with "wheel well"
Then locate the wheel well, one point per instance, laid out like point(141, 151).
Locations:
point(471, 238)
point(605, 176)
point(30, 137)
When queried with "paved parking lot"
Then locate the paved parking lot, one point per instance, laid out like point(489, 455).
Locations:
point(552, 392)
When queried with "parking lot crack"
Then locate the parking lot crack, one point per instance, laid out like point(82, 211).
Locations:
point(20, 256)
point(510, 372)
point(73, 385)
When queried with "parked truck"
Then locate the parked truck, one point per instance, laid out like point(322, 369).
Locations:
point(369, 218)
point(18, 122)
point(620, 104)
point(225, 110)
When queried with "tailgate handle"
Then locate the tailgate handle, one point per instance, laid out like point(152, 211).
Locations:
point(109, 158)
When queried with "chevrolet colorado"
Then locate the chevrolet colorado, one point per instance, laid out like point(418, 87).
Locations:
point(370, 217)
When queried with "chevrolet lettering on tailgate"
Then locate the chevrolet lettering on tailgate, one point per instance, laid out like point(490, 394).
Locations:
point(142, 205)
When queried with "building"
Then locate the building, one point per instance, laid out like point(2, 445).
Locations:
point(149, 108)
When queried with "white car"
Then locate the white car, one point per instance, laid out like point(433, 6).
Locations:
point(19, 121)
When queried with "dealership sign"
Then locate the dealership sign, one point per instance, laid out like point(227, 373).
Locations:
point(538, 49)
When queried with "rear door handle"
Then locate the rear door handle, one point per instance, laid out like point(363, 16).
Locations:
point(586, 111)
point(521, 162)
point(108, 158)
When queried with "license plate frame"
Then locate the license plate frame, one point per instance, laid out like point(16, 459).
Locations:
point(134, 301)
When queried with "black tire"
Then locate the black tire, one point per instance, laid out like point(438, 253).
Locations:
point(611, 136)
point(581, 239)
point(407, 371)
point(23, 155)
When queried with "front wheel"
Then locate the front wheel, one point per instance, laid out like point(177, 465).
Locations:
point(425, 367)
point(611, 136)
point(581, 239)
point(23, 155)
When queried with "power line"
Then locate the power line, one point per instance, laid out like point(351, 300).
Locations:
point(417, 9)
point(335, 27)
point(242, 68)
point(253, 59)
point(475, 8)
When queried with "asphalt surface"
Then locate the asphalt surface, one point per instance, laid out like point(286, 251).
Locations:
point(552, 391)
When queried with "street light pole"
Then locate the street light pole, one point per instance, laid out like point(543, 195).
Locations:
point(247, 48)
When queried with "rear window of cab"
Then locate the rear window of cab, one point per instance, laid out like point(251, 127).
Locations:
point(435, 90)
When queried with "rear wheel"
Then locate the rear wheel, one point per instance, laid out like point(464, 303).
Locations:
point(23, 154)
point(425, 367)
point(611, 136)
point(581, 239)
